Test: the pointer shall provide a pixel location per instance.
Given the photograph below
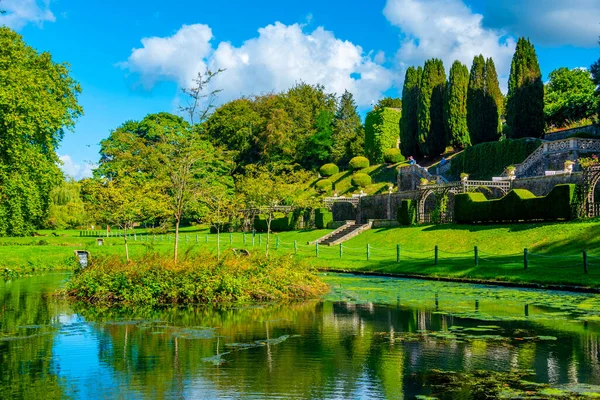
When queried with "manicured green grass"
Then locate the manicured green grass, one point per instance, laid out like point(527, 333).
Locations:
point(555, 250)
point(382, 176)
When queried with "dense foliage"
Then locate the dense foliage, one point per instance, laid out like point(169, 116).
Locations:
point(517, 205)
point(361, 180)
point(324, 185)
point(525, 102)
point(67, 209)
point(455, 106)
point(329, 170)
point(382, 132)
point(358, 163)
point(348, 137)
point(487, 160)
point(407, 212)
point(484, 103)
point(430, 109)
point(38, 101)
point(409, 144)
point(199, 278)
point(392, 156)
point(569, 96)
point(323, 217)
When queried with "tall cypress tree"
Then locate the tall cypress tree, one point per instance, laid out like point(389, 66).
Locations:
point(455, 106)
point(409, 145)
point(525, 105)
point(347, 131)
point(475, 100)
point(430, 110)
point(492, 127)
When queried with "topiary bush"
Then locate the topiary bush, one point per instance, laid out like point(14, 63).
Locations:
point(324, 185)
point(359, 162)
point(382, 131)
point(328, 170)
point(393, 156)
point(323, 217)
point(407, 212)
point(361, 180)
point(517, 205)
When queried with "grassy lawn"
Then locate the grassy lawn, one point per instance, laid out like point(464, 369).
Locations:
point(555, 250)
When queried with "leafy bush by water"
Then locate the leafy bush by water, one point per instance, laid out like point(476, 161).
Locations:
point(198, 278)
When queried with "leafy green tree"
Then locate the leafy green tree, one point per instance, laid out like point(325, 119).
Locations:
point(409, 145)
point(455, 109)
point(569, 96)
point(525, 103)
point(430, 110)
point(595, 71)
point(67, 210)
point(493, 104)
point(348, 139)
point(38, 101)
point(475, 100)
point(382, 132)
point(389, 102)
point(321, 143)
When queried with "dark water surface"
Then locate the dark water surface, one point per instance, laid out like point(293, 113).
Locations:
point(369, 338)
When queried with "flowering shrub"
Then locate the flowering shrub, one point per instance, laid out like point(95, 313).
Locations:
point(587, 162)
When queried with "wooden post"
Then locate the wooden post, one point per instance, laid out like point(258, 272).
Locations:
point(206, 239)
point(196, 238)
point(317, 249)
point(277, 243)
point(525, 258)
point(397, 253)
point(244, 237)
point(435, 256)
point(585, 262)
point(253, 236)
point(295, 247)
point(476, 251)
point(230, 238)
point(368, 252)
point(260, 239)
point(341, 251)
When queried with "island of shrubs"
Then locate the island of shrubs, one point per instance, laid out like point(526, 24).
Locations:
point(198, 278)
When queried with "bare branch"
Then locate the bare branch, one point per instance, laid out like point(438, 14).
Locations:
point(196, 96)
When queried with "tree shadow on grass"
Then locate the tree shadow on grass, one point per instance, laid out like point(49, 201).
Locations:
point(514, 227)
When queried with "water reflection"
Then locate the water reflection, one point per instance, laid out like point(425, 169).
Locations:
point(323, 349)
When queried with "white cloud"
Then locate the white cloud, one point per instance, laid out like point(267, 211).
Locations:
point(553, 23)
point(279, 57)
point(74, 170)
point(449, 30)
point(21, 12)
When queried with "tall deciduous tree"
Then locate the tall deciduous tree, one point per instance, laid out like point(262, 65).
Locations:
point(409, 144)
point(456, 106)
point(475, 100)
point(347, 134)
point(569, 96)
point(525, 103)
point(38, 101)
point(492, 125)
point(430, 110)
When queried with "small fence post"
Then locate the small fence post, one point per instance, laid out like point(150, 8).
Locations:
point(397, 253)
point(196, 238)
point(435, 256)
point(260, 239)
point(253, 236)
point(476, 251)
point(341, 251)
point(244, 237)
point(585, 262)
point(368, 252)
point(187, 238)
point(295, 247)
point(525, 258)
point(277, 243)
point(230, 238)
point(317, 249)
point(206, 239)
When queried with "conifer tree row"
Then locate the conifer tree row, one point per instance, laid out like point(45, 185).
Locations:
point(484, 103)
point(409, 144)
point(430, 109)
point(455, 106)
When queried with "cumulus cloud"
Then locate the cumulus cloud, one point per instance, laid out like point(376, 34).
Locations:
point(449, 30)
point(21, 12)
point(553, 23)
point(275, 60)
point(75, 170)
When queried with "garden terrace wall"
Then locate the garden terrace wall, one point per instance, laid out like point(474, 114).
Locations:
point(383, 206)
point(542, 185)
point(588, 130)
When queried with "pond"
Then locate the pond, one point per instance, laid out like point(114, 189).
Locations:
point(369, 338)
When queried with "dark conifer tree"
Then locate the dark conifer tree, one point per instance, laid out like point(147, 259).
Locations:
point(409, 145)
point(347, 133)
point(430, 110)
point(475, 100)
point(455, 106)
point(492, 126)
point(525, 104)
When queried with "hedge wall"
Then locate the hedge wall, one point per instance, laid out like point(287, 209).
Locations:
point(323, 217)
point(407, 212)
point(517, 205)
point(281, 222)
point(382, 131)
point(485, 160)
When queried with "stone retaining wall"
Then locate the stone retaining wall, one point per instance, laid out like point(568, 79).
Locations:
point(542, 185)
point(589, 129)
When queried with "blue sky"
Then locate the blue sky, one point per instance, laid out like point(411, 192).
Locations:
point(133, 57)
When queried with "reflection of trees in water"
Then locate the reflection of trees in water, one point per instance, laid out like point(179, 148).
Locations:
point(26, 339)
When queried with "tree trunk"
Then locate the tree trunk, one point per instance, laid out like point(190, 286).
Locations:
point(126, 245)
point(176, 241)
point(218, 243)
point(268, 234)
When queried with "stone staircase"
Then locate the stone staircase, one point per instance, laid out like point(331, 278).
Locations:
point(342, 234)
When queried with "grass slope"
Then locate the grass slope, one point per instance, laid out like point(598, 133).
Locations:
point(382, 176)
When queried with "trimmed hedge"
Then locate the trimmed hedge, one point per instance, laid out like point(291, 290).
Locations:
point(359, 162)
point(328, 170)
point(281, 222)
point(485, 160)
point(361, 180)
point(517, 205)
point(393, 156)
point(382, 131)
point(324, 185)
point(407, 212)
point(323, 217)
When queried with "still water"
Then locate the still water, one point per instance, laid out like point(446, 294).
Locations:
point(369, 338)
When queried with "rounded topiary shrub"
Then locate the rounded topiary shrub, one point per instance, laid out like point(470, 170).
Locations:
point(359, 163)
point(329, 170)
point(393, 156)
point(361, 180)
point(324, 185)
